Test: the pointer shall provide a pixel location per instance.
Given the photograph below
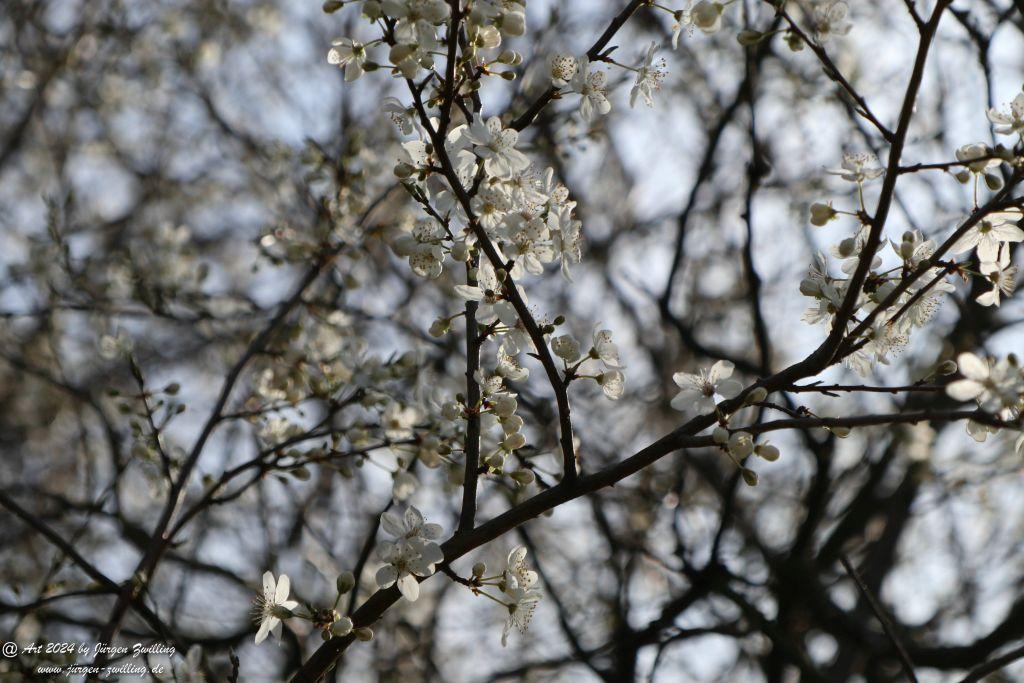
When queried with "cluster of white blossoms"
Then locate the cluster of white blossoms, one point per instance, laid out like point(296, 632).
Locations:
point(701, 393)
point(517, 590)
point(572, 76)
point(989, 236)
point(603, 349)
point(412, 554)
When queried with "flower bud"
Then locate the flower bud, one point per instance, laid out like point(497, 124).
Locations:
point(512, 424)
point(809, 287)
point(741, 444)
point(513, 441)
point(403, 170)
point(993, 181)
point(332, 6)
point(749, 37)
point(345, 582)
point(767, 452)
point(962, 177)
point(364, 633)
point(749, 476)
point(847, 247)
point(342, 627)
point(946, 367)
point(821, 214)
point(479, 569)
point(841, 432)
point(508, 75)
point(440, 327)
point(720, 435)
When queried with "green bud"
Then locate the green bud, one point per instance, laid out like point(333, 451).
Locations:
point(749, 476)
point(946, 367)
point(993, 181)
point(364, 633)
point(749, 37)
point(332, 6)
point(346, 581)
point(479, 569)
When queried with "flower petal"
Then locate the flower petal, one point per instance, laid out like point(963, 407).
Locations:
point(971, 366)
point(386, 576)
point(284, 585)
point(409, 587)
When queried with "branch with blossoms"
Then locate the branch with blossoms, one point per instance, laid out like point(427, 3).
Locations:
point(488, 208)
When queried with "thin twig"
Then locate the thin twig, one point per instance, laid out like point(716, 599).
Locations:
point(883, 618)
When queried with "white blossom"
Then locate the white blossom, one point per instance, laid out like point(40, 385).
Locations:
point(1001, 275)
point(497, 147)
point(592, 88)
point(989, 233)
point(518, 584)
point(348, 55)
point(973, 153)
point(858, 167)
point(994, 385)
point(562, 68)
point(698, 391)
point(273, 606)
point(1012, 121)
point(828, 18)
point(648, 77)
point(413, 553)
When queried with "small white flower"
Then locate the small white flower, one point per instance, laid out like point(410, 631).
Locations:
point(829, 19)
point(566, 347)
point(1002, 275)
point(1011, 122)
point(348, 55)
point(592, 87)
point(403, 117)
point(858, 167)
point(562, 68)
point(648, 77)
point(989, 233)
point(518, 584)
point(976, 150)
point(613, 383)
point(273, 606)
point(994, 386)
point(681, 19)
point(497, 147)
point(604, 348)
point(698, 391)
point(412, 555)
